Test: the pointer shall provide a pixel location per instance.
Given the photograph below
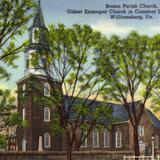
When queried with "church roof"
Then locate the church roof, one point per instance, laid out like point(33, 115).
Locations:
point(153, 118)
point(118, 111)
point(38, 20)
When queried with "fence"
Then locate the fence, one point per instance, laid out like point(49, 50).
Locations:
point(141, 158)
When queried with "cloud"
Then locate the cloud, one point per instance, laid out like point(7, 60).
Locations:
point(111, 27)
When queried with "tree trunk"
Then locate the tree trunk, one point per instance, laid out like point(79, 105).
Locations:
point(69, 147)
point(136, 141)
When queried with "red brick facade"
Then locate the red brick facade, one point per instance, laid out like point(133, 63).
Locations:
point(38, 127)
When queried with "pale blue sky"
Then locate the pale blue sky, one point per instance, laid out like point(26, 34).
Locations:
point(54, 12)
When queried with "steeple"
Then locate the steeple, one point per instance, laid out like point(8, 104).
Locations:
point(38, 31)
point(38, 19)
point(38, 42)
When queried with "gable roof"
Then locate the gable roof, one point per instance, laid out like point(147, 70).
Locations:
point(154, 120)
point(119, 111)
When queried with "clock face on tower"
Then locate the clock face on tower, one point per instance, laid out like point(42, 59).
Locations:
point(35, 35)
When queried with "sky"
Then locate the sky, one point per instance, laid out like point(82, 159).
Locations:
point(55, 11)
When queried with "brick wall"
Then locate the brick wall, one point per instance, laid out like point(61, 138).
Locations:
point(60, 155)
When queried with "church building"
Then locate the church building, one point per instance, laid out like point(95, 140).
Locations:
point(36, 135)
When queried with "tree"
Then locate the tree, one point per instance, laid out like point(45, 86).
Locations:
point(129, 64)
point(70, 63)
point(9, 118)
point(14, 16)
point(155, 100)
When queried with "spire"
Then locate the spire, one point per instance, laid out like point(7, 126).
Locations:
point(38, 19)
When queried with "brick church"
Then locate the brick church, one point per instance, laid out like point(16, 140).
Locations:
point(38, 135)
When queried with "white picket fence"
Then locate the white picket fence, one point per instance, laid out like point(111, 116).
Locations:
point(141, 158)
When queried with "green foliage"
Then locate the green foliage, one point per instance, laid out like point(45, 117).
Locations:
point(8, 116)
point(2, 142)
point(56, 126)
point(127, 64)
point(14, 15)
point(71, 60)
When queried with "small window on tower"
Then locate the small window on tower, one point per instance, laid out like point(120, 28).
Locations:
point(46, 89)
point(24, 90)
point(44, 62)
point(46, 114)
point(23, 114)
point(35, 35)
point(27, 63)
point(47, 140)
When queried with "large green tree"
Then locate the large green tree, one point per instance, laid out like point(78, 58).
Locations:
point(131, 66)
point(14, 15)
point(70, 62)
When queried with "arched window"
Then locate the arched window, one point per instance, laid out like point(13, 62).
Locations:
point(23, 114)
point(24, 89)
point(47, 140)
point(106, 138)
point(140, 130)
point(156, 141)
point(24, 144)
point(95, 138)
point(118, 139)
point(46, 89)
point(46, 114)
point(35, 35)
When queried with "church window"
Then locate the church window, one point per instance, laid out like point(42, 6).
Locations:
point(95, 138)
point(84, 144)
point(46, 114)
point(24, 144)
point(35, 35)
point(156, 141)
point(118, 139)
point(47, 140)
point(27, 63)
point(46, 89)
point(23, 89)
point(141, 145)
point(23, 114)
point(106, 138)
point(140, 130)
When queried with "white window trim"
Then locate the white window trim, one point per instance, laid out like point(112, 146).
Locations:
point(33, 35)
point(45, 146)
point(156, 141)
point(140, 128)
point(116, 138)
point(23, 114)
point(48, 95)
point(85, 142)
point(23, 89)
point(24, 145)
point(47, 120)
point(104, 136)
point(97, 138)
